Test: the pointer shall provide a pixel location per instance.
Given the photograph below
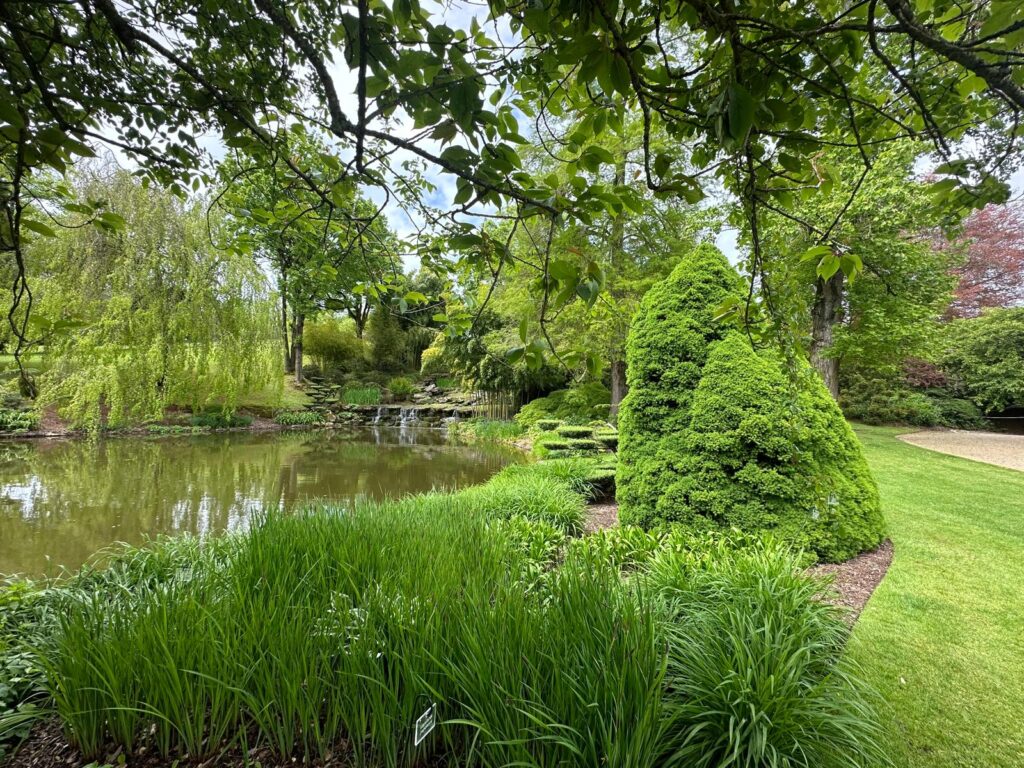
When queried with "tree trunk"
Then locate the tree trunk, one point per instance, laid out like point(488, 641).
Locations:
point(359, 314)
point(289, 366)
point(825, 314)
point(297, 326)
point(619, 385)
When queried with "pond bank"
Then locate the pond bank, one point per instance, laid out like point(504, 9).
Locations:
point(429, 415)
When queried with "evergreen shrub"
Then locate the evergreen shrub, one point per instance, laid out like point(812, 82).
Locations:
point(665, 353)
point(714, 435)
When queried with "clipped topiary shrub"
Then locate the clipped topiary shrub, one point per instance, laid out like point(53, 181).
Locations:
point(575, 431)
point(665, 354)
point(548, 425)
point(765, 454)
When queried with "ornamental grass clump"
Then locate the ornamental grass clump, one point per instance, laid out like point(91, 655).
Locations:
point(755, 667)
point(530, 495)
point(329, 634)
point(327, 631)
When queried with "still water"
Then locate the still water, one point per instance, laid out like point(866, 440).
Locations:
point(62, 500)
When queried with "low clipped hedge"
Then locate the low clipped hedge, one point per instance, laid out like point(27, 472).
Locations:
point(569, 430)
point(554, 443)
point(609, 438)
point(583, 444)
point(548, 425)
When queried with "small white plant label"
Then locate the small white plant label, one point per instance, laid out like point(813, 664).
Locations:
point(425, 724)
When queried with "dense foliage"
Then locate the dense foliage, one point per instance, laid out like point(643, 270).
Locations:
point(582, 402)
point(666, 351)
point(992, 272)
point(986, 355)
point(885, 400)
point(150, 315)
point(714, 434)
point(306, 634)
point(767, 454)
point(387, 94)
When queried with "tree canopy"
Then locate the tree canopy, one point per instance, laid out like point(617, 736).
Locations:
point(755, 91)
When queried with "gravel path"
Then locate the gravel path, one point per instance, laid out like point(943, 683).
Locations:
point(989, 447)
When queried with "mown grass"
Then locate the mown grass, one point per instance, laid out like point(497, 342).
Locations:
point(942, 636)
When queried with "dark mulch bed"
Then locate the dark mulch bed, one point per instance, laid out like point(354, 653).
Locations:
point(47, 747)
point(600, 516)
point(856, 579)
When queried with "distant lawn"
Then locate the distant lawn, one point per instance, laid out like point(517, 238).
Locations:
point(943, 637)
point(291, 397)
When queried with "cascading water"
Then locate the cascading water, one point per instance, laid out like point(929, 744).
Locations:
point(406, 418)
point(380, 412)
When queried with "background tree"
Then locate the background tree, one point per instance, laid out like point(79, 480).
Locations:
point(320, 260)
point(881, 225)
point(992, 274)
point(160, 317)
point(758, 92)
point(986, 355)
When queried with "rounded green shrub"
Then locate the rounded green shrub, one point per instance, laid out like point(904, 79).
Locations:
point(548, 425)
point(769, 453)
point(665, 354)
point(575, 404)
point(401, 386)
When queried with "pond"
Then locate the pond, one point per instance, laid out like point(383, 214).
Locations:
point(63, 500)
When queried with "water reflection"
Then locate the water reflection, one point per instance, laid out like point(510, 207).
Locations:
point(61, 500)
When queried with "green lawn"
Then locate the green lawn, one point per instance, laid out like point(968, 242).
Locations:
point(943, 636)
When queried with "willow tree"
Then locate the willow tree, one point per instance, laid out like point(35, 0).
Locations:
point(159, 316)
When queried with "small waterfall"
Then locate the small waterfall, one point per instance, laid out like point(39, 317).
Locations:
point(406, 416)
point(380, 412)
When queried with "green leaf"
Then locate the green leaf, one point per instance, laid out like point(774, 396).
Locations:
point(815, 253)
point(38, 227)
point(563, 270)
point(741, 111)
point(828, 266)
point(621, 77)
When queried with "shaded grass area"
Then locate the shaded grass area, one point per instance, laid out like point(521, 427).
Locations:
point(942, 637)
